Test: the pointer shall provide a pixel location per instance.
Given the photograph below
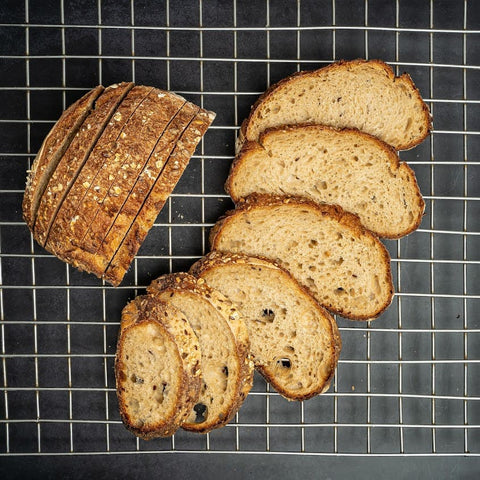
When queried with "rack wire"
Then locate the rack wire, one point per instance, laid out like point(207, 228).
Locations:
point(406, 382)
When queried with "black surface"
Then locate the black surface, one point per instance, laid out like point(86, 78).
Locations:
point(73, 397)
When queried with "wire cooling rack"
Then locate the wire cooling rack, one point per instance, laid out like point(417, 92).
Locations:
point(406, 383)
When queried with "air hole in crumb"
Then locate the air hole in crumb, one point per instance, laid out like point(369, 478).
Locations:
point(339, 291)
point(268, 314)
point(201, 411)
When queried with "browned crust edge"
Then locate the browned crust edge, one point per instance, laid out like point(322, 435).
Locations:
point(52, 149)
point(344, 218)
point(132, 315)
point(250, 147)
point(181, 282)
point(216, 258)
point(405, 77)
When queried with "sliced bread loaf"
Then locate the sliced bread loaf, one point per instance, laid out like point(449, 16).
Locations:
point(294, 342)
point(355, 94)
point(52, 150)
point(227, 370)
point(343, 265)
point(75, 156)
point(157, 368)
point(158, 195)
point(346, 167)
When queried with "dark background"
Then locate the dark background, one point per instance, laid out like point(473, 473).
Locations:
point(406, 384)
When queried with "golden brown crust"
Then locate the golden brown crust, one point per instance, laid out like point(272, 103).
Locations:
point(148, 308)
point(157, 197)
point(184, 282)
point(344, 218)
point(72, 161)
point(252, 147)
point(52, 149)
point(244, 133)
point(79, 207)
point(215, 259)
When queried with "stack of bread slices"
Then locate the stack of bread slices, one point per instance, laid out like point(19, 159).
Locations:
point(316, 181)
point(105, 171)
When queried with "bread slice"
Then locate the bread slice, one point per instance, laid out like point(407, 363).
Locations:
point(343, 265)
point(227, 369)
point(294, 342)
point(347, 167)
point(157, 197)
point(52, 150)
point(356, 94)
point(157, 368)
point(75, 156)
point(79, 207)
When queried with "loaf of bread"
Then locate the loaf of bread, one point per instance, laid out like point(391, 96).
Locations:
point(356, 94)
point(105, 171)
point(295, 343)
point(345, 167)
point(227, 369)
point(157, 368)
point(343, 265)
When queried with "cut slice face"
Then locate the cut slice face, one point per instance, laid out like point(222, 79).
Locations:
point(346, 167)
point(52, 150)
point(75, 156)
point(158, 195)
point(294, 342)
point(356, 94)
point(78, 208)
point(327, 250)
point(156, 368)
point(227, 370)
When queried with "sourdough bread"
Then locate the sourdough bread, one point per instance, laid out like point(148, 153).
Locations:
point(294, 342)
point(356, 94)
point(52, 150)
point(227, 370)
point(157, 368)
point(346, 167)
point(75, 156)
point(79, 207)
point(344, 266)
point(157, 197)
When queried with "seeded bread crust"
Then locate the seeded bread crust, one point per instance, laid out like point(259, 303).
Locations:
point(344, 219)
point(246, 174)
point(52, 150)
point(157, 197)
point(77, 211)
point(214, 260)
point(184, 282)
point(72, 161)
point(176, 328)
point(248, 130)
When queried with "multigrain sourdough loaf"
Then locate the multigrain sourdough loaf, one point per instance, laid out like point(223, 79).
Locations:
point(157, 197)
point(295, 343)
point(157, 368)
point(74, 158)
point(52, 150)
point(346, 167)
point(355, 94)
point(227, 369)
point(343, 265)
point(93, 194)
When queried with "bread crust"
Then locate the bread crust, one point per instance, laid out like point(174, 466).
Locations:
point(53, 147)
point(78, 209)
point(344, 218)
point(72, 161)
point(146, 309)
point(157, 197)
point(215, 258)
point(244, 133)
point(252, 147)
point(184, 282)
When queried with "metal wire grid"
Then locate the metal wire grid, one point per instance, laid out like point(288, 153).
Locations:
point(405, 384)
